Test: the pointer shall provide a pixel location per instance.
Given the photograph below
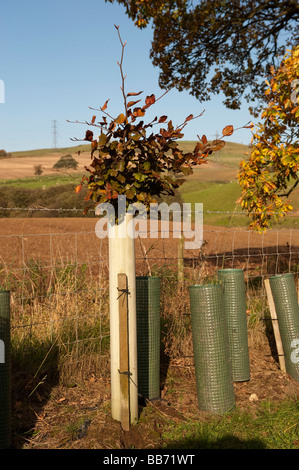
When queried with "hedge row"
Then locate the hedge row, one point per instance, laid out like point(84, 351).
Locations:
point(52, 198)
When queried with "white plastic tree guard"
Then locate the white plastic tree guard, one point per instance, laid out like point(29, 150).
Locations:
point(122, 260)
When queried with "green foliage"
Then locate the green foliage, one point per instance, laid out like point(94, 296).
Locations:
point(66, 161)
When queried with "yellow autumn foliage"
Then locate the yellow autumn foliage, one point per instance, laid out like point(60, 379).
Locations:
point(270, 174)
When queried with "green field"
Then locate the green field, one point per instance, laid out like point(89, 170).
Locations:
point(42, 152)
point(218, 189)
point(215, 185)
point(41, 182)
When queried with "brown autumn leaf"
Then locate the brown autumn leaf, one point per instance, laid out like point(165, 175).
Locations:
point(188, 118)
point(105, 105)
point(89, 136)
point(78, 188)
point(112, 126)
point(228, 130)
point(93, 119)
point(131, 103)
point(165, 133)
point(134, 94)
point(170, 126)
point(88, 195)
point(138, 112)
point(199, 148)
point(163, 118)
point(204, 140)
point(94, 145)
point(149, 100)
point(218, 145)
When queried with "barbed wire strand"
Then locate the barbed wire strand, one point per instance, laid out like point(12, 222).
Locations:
point(81, 210)
point(253, 256)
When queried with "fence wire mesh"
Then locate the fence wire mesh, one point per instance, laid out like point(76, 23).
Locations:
point(57, 271)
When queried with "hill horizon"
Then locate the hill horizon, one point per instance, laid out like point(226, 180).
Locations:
point(86, 147)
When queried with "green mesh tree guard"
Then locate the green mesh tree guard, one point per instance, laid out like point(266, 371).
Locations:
point(286, 304)
point(5, 366)
point(214, 380)
point(235, 312)
point(148, 336)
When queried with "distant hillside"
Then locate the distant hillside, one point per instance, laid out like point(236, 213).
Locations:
point(221, 166)
point(43, 152)
point(214, 184)
point(228, 154)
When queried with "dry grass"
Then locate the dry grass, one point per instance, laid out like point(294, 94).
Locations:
point(60, 339)
point(60, 316)
point(59, 320)
point(61, 384)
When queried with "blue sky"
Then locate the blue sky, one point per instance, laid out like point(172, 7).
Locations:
point(60, 57)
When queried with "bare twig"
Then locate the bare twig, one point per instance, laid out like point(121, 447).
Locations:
point(121, 70)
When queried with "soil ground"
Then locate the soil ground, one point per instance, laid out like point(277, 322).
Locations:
point(78, 416)
point(69, 239)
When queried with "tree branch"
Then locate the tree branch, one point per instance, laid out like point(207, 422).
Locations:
point(121, 70)
point(290, 191)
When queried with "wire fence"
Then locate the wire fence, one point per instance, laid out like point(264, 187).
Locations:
point(57, 270)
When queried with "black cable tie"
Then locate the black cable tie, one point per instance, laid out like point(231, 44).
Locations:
point(128, 373)
point(122, 291)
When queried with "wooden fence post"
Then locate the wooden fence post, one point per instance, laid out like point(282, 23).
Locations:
point(124, 352)
point(275, 325)
point(122, 260)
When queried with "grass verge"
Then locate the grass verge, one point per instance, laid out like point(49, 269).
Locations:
point(271, 426)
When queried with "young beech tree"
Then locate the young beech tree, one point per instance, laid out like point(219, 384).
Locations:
point(129, 158)
point(271, 174)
